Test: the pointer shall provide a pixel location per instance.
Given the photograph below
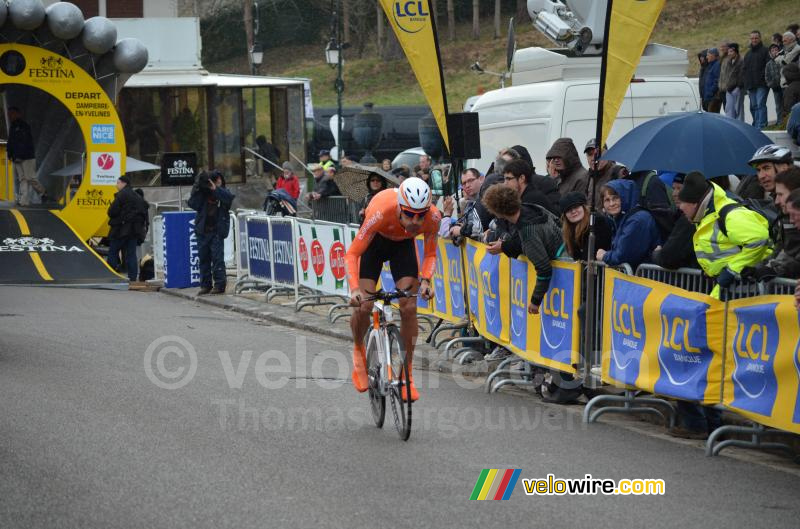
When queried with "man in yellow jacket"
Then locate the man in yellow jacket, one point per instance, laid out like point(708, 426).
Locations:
point(729, 236)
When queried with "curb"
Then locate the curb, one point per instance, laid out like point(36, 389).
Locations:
point(221, 302)
point(426, 356)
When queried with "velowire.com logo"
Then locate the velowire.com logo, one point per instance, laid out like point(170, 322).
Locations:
point(495, 484)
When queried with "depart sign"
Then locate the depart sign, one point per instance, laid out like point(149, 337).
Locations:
point(97, 118)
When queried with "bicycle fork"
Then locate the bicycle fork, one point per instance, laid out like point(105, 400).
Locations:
point(381, 338)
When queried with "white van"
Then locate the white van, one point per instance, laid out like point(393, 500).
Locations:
point(555, 96)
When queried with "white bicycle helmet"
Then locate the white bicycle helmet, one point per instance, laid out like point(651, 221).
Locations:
point(771, 153)
point(414, 194)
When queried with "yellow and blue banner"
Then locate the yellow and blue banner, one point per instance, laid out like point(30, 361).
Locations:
point(552, 337)
point(629, 24)
point(415, 30)
point(423, 306)
point(449, 303)
point(495, 484)
point(762, 365)
point(662, 339)
point(489, 276)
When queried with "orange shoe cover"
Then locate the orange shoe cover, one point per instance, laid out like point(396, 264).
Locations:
point(360, 379)
point(414, 392)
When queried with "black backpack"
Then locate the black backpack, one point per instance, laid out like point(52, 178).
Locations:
point(762, 207)
point(664, 215)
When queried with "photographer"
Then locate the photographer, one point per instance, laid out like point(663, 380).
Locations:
point(212, 202)
point(469, 223)
point(127, 217)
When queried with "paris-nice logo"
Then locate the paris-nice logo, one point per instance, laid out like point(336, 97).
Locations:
point(52, 67)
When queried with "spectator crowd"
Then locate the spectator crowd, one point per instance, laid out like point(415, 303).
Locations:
point(729, 227)
point(729, 71)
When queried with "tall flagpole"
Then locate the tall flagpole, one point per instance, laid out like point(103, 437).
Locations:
point(594, 173)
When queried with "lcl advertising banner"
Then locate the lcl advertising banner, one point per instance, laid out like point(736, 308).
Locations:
point(762, 366)
point(662, 339)
point(552, 337)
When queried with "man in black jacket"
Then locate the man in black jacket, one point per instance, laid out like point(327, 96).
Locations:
point(212, 202)
point(516, 175)
point(754, 65)
point(127, 216)
point(538, 233)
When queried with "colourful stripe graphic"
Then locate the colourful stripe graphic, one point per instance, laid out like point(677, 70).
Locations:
point(495, 484)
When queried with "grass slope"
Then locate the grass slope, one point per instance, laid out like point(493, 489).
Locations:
point(688, 24)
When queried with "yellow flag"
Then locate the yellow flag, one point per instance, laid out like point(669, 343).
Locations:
point(629, 24)
point(413, 24)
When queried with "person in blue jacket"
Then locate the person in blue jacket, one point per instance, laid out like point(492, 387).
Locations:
point(212, 202)
point(711, 100)
point(636, 233)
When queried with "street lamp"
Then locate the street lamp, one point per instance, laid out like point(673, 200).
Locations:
point(256, 57)
point(333, 56)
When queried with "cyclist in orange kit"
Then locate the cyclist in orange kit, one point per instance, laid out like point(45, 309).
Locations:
point(392, 220)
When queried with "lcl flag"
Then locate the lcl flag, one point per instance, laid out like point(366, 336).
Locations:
point(629, 24)
point(412, 22)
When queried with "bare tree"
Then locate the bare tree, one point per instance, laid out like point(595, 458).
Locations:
point(346, 20)
point(360, 14)
point(522, 12)
point(380, 29)
point(497, 14)
point(248, 23)
point(476, 20)
point(451, 20)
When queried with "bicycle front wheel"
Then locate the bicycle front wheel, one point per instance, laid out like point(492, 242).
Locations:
point(377, 401)
point(399, 383)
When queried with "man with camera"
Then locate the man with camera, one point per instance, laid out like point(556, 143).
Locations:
point(212, 202)
point(469, 223)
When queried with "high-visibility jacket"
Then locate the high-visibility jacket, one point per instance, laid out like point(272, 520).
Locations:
point(746, 244)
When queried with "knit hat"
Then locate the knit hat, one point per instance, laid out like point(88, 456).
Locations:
point(694, 188)
point(286, 166)
point(734, 46)
point(679, 178)
point(570, 200)
point(713, 51)
point(125, 178)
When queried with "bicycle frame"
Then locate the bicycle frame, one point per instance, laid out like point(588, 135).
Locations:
point(382, 315)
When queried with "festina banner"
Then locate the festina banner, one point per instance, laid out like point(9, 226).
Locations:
point(413, 24)
point(629, 24)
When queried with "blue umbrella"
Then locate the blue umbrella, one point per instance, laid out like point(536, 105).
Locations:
point(711, 143)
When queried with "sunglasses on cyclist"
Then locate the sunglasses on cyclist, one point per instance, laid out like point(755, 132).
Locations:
point(414, 214)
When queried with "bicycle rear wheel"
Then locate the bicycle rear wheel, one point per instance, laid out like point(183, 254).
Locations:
point(401, 408)
point(377, 401)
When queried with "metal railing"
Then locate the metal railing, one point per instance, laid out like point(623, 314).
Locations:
point(691, 279)
point(335, 209)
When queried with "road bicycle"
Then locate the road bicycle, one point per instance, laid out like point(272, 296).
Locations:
point(387, 369)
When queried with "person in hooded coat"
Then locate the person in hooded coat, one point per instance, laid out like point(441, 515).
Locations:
point(636, 233)
point(572, 176)
point(542, 183)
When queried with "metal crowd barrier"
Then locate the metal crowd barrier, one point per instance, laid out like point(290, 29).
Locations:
point(335, 209)
point(630, 401)
point(691, 279)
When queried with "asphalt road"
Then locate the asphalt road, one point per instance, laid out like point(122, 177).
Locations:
point(277, 436)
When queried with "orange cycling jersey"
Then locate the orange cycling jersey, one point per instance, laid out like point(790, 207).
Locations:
point(381, 218)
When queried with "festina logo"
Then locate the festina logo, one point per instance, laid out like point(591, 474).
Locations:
point(35, 244)
point(52, 67)
point(180, 168)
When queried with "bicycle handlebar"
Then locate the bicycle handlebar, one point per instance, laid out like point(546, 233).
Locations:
point(388, 297)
